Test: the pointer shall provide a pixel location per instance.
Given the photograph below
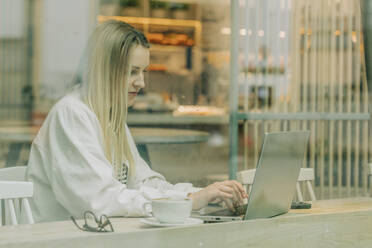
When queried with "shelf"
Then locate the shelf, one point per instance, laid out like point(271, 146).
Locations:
point(154, 21)
point(176, 34)
point(167, 48)
point(149, 25)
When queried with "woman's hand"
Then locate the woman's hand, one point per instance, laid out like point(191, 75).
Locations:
point(231, 192)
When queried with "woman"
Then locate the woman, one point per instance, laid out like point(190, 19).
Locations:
point(84, 157)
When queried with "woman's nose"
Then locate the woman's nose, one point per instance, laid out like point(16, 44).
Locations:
point(140, 82)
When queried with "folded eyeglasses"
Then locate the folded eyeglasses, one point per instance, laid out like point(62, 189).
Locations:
point(94, 224)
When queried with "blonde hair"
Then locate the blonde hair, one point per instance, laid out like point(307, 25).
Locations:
point(105, 79)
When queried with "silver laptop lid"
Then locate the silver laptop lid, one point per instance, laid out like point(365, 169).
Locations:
point(276, 175)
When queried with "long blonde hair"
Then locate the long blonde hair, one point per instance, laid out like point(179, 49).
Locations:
point(105, 79)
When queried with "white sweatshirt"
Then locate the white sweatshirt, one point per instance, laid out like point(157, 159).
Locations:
point(71, 174)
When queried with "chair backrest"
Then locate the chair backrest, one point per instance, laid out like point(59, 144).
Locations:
point(16, 173)
point(306, 176)
point(246, 177)
point(14, 191)
point(369, 172)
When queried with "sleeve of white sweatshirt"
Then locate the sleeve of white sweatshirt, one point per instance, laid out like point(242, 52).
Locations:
point(152, 184)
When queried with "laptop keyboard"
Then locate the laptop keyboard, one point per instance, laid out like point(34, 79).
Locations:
point(240, 210)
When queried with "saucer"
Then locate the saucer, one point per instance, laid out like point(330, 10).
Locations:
point(188, 222)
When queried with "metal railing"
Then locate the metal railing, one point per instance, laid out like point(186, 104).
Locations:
point(304, 69)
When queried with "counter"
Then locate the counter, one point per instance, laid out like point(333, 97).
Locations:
point(330, 223)
point(169, 119)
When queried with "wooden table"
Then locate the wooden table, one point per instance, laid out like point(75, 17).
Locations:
point(19, 136)
point(331, 223)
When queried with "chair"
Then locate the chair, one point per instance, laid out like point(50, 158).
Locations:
point(246, 177)
point(369, 172)
point(16, 173)
point(13, 187)
point(306, 176)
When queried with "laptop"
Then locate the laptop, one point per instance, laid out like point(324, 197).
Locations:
point(274, 185)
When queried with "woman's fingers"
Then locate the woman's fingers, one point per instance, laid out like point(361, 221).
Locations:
point(229, 204)
point(241, 188)
point(225, 195)
point(231, 190)
point(237, 193)
point(216, 201)
point(225, 188)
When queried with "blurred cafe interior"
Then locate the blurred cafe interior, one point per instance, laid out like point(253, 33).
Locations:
point(216, 82)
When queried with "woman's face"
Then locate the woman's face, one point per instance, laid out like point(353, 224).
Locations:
point(140, 62)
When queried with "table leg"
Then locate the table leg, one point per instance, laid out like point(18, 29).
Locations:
point(13, 154)
point(144, 153)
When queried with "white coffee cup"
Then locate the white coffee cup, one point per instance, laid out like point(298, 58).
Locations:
point(169, 210)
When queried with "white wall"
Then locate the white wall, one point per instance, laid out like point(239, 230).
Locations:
point(66, 28)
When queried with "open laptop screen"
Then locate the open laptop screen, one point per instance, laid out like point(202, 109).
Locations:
point(279, 165)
